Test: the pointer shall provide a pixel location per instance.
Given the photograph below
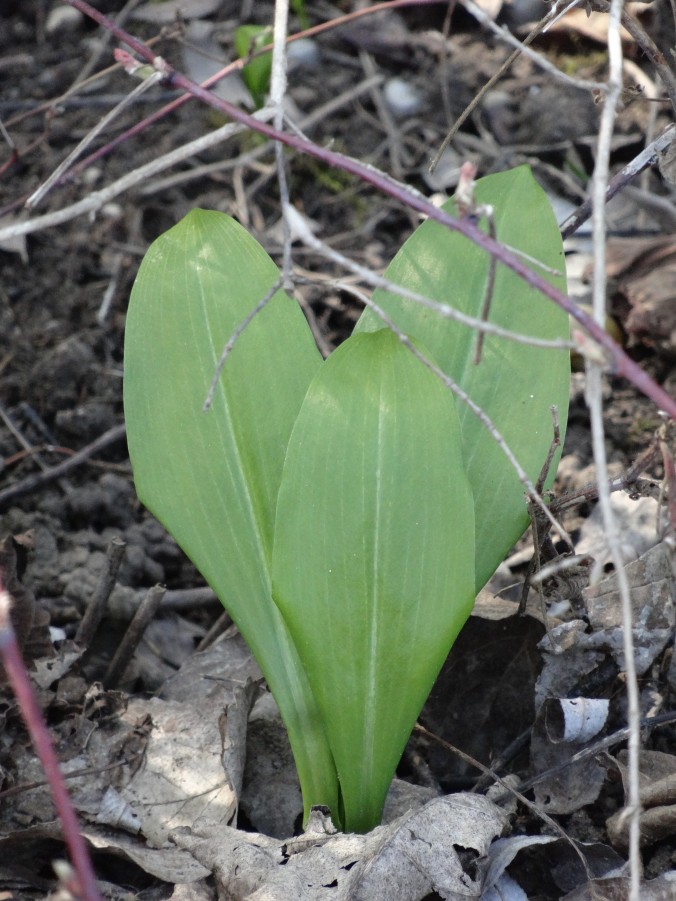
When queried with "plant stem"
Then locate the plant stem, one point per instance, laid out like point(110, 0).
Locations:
point(85, 885)
point(619, 363)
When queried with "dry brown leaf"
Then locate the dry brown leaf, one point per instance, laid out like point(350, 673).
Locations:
point(617, 888)
point(657, 793)
point(645, 298)
point(405, 860)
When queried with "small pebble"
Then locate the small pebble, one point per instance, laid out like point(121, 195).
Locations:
point(56, 634)
point(517, 13)
point(112, 210)
point(91, 176)
point(303, 54)
point(446, 172)
point(63, 19)
point(402, 98)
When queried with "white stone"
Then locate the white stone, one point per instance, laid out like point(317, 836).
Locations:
point(63, 19)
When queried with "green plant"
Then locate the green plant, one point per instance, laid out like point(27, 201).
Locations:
point(256, 72)
point(345, 512)
point(298, 6)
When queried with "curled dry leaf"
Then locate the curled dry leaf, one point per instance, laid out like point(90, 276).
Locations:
point(573, 787)
point(574, 719)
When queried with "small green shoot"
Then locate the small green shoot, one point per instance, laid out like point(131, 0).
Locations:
point(298, 6)
point(256, 71)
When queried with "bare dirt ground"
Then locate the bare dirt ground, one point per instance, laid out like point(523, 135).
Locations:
point(382, 90)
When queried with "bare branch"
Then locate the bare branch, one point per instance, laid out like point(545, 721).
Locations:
point(593, 394)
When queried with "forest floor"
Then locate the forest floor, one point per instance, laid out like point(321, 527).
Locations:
point(143, 748)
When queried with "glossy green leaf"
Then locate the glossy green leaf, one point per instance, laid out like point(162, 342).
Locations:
point(373, 561)
point(514, 384)
point(212, 478)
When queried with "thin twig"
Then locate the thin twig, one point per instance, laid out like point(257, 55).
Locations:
point(189, 599)
point(628, 481)
point(39, 195)
point(223, 622)
point(541, 61)
point(225, 353)
point(662, 719)
point(478, 97)
point(85, 886)
point(647, 157)
point(385, 118)
point(306, 236)
point(97, 606)
point(23, 441)
point(31, 483)
point(132, 637)
point(593, 395)
point(669, 487)
point(277, 97)
point(101, 45)
point(71, 774)
point(540, 528)
point(620, 363)
point(646, 43)
point(509, 790)
point(488, 291)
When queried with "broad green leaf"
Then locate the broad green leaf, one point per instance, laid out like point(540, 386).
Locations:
point(212, 478)
point(373, 561)
point(514, 384)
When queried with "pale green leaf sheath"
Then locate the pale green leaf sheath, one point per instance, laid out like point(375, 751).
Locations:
point(373, 561)
point(212, 478)
point(514, 384)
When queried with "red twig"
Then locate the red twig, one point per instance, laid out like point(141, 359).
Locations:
point(83, 885)
point(173, 105)
point(618, 362)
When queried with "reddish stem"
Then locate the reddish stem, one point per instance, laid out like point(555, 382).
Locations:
point(620, 364)
point(173, 105)
point(84, 884)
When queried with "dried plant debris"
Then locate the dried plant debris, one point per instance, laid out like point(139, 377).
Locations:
point(577, 784)
point(644, 274)
point(405, 860)
point(636, 521)
point(468, 706)
point(652, 583)
point(140, 769)
point(657, 797)
point(616, 888)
